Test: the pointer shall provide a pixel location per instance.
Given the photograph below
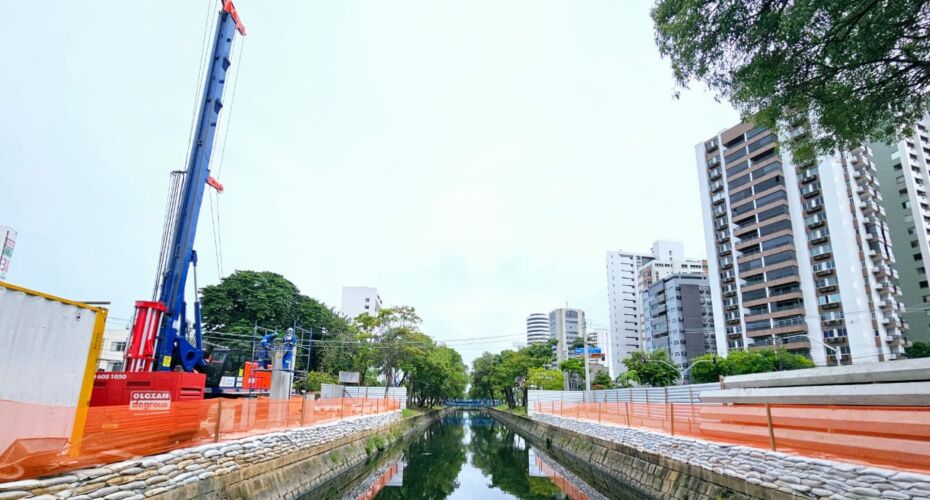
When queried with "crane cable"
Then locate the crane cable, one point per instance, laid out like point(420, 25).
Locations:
point(214, 197)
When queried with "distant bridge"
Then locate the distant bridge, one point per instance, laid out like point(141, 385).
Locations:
point(471, 403)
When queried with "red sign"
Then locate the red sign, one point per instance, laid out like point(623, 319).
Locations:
point(150, 400)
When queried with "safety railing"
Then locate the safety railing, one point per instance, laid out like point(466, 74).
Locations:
point(889, 436)
point(114, 433)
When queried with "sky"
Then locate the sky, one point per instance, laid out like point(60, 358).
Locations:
point(475, 160)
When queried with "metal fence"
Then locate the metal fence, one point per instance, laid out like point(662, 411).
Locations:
point(675, 394)
point(335, 391)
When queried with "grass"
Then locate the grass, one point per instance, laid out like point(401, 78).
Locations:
point(520, 410)
point(410, 412)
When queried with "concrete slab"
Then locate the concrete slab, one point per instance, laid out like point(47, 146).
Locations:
point(894, 394)
point(908, 370)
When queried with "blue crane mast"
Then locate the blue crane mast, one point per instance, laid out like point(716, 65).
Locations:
point(164, 322)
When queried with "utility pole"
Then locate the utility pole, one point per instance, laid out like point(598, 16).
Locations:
point(587, 378)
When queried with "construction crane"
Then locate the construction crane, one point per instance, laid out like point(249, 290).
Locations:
point(160, 355)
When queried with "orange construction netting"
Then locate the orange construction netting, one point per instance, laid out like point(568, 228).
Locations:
point(890, 436)
point(37, 440)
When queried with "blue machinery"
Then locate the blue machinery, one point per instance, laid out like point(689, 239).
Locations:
point(165, 322)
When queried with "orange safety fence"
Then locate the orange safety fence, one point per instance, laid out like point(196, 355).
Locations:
point(890, 436)
point(38, 440)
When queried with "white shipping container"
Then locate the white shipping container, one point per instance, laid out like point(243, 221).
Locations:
point(50, 348)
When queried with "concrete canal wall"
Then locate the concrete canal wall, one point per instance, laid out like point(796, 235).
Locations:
point(661, 466)
point(283, 464)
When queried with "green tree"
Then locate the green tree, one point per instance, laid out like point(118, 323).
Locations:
point(313, 380)
point(745, 362)
point(541, 378)
point(482, 369)
point(918, 350)
point(628, 379)
point(602, 381)
point(654, 368)
point(860, 67)
point(573, 366)
point(243, 299)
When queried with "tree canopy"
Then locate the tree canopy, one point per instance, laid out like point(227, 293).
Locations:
point(860, 68)
point(918, 350)
point(653, 368)
point(710, 367)
point(545, 379)
point(506, 374)
point(244, 299)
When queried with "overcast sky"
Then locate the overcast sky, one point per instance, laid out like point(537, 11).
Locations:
point(472, 159)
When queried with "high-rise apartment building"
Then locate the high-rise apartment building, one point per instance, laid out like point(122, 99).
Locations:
point(904, 179)
point(537, 328)
point(679, 318)
point(566, 325)
point(358, 300)
point(800, 251)
point(628, 275)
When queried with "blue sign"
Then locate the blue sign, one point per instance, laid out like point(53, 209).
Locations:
point(591, 350)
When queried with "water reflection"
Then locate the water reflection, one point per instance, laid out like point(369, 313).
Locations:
point(469, 455)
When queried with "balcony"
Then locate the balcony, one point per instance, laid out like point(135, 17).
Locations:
point(716, 186)
point(715, 173)
point(821, 252)
point(718, 198)
point(713, 161)
point(812, 205)
point(815, 220)
point(811, 189)
point(729, 290)
point(824, 268)
point(819, 235)
point(711, 145)
point(808, 175)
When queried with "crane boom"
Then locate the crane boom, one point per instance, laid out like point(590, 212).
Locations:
point(163, 322)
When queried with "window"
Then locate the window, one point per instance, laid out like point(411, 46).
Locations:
point(783, 240)
point(736, 168)
point(775, 227)
point(740, 195)
point(769, 184)
point(782, 273)
point(754, 132)
point(758, 325)
point(753, 295)
point(736, 155)
point(771, 197)
point(773, 212)
point(115, 366)
point(760, 309)
point(783, 289)
point(763, 157)
point(739, 181)
point(768, 169)
point(779, 257)
point(765, 141)
point(118, 346)
point(748, 207)
point(752, 264)
point(754, 280)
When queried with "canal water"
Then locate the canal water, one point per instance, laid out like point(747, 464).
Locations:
point(468, 455)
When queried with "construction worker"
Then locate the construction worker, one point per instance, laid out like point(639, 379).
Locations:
point(264, 349)
point(289, 341)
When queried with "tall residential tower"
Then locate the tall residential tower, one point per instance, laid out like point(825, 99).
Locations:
point(800, 254)
point(628, 274)
point(537, 328)
point(904, 178)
